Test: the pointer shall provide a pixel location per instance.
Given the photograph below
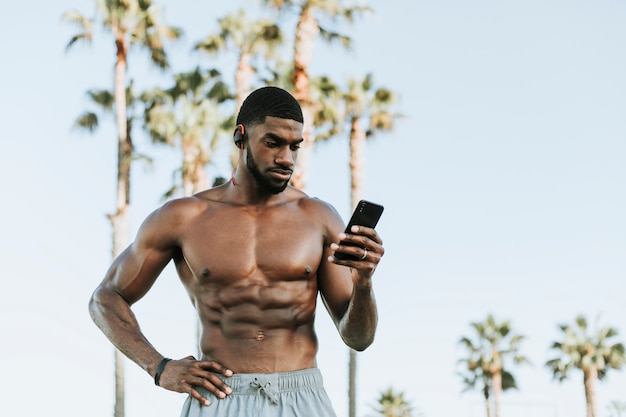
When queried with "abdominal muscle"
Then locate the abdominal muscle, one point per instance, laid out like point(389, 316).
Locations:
point(252, 328)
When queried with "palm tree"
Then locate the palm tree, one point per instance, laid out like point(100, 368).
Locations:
point(89, 120)
point(307, 30)
point(329, 115)
point(362, 102)
point(335, 107)
point(393, 404)
point(131, 22)
point(487, 354)
point(186, 115)
point(249, 39)
point(590, 351)
point(104, 100)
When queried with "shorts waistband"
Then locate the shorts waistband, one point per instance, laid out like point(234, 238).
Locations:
point(279, 382)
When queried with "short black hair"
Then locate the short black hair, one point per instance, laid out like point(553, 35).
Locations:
point(269, 101)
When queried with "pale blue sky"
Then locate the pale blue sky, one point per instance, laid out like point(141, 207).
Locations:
point(503, 188)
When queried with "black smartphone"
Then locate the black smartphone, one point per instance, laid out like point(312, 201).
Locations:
point(366, 214)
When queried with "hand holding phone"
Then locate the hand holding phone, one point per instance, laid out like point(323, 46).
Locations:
point(365, 214)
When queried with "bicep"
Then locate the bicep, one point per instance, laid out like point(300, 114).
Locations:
point(335, 281)
point(134, 272)
point(136, 269)
point(335, 285)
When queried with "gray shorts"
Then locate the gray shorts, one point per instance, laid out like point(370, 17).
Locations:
point(285, 394)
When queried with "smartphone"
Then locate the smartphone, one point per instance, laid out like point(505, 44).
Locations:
point(366, 214)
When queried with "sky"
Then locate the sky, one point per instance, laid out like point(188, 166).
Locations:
point(503, 187)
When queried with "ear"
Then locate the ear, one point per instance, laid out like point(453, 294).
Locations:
point(239, 136)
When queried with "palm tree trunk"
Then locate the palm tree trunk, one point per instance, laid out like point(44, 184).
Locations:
point(299, 177)
point(200, 178)
point(187, 169)
point(120, 220)
point(357, 157)
point(124, 154)
point(497, 390)
point(590, 376)
point(243, 75)
point(120, 403)
point(306, 32)
point(120, 223)
point(352, 383)
point(357, 145)
point(194, 176)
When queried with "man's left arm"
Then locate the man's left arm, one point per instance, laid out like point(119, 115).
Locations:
point(346, 285)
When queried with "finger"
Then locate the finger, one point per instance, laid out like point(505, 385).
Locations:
point(362, 236)
point(352, 250)
point(212, 384)
point(365, 266)
point(196, 395)
point(367, 231)
point(359, 255)
point(210, 381)
point(357, 245)
point(214, 366)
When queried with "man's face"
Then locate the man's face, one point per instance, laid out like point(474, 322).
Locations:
point(272, 151)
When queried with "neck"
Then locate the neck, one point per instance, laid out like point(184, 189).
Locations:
point(244, 190)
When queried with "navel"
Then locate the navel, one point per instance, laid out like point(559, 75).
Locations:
point(205, 272)
point(260, 335)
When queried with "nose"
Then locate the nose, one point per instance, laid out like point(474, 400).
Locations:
point(285, 157)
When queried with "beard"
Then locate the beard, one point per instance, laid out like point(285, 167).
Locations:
point(263, 182)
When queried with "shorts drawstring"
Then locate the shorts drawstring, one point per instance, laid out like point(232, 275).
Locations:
point(264, 389)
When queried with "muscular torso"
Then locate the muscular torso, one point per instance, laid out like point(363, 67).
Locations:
point(252, 275)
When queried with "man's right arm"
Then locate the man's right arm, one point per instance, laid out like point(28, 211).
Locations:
point(129, 278)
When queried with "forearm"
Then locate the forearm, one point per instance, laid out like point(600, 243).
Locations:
point(112, 314)
point(358, 325)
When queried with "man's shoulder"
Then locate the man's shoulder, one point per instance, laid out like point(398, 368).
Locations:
point(315, 204)
point(182, 205)
point(319, 208)
point(184, 208)
point(198, 201)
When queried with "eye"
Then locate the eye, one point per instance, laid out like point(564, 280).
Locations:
point(295, 147)
point(270, 144)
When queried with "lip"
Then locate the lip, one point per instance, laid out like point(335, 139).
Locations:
point(283, 174)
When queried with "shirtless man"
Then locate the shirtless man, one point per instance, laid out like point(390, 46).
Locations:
point(252, 254)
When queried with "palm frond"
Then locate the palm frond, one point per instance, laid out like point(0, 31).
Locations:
point(88, 121)
point(84, 24)
point(103, 98)
point(330, 36)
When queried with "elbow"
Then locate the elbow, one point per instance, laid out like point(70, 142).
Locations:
point(361, 346)
point(94, 305)
point(101, 300)
point(360, 342)
point(359, 336)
